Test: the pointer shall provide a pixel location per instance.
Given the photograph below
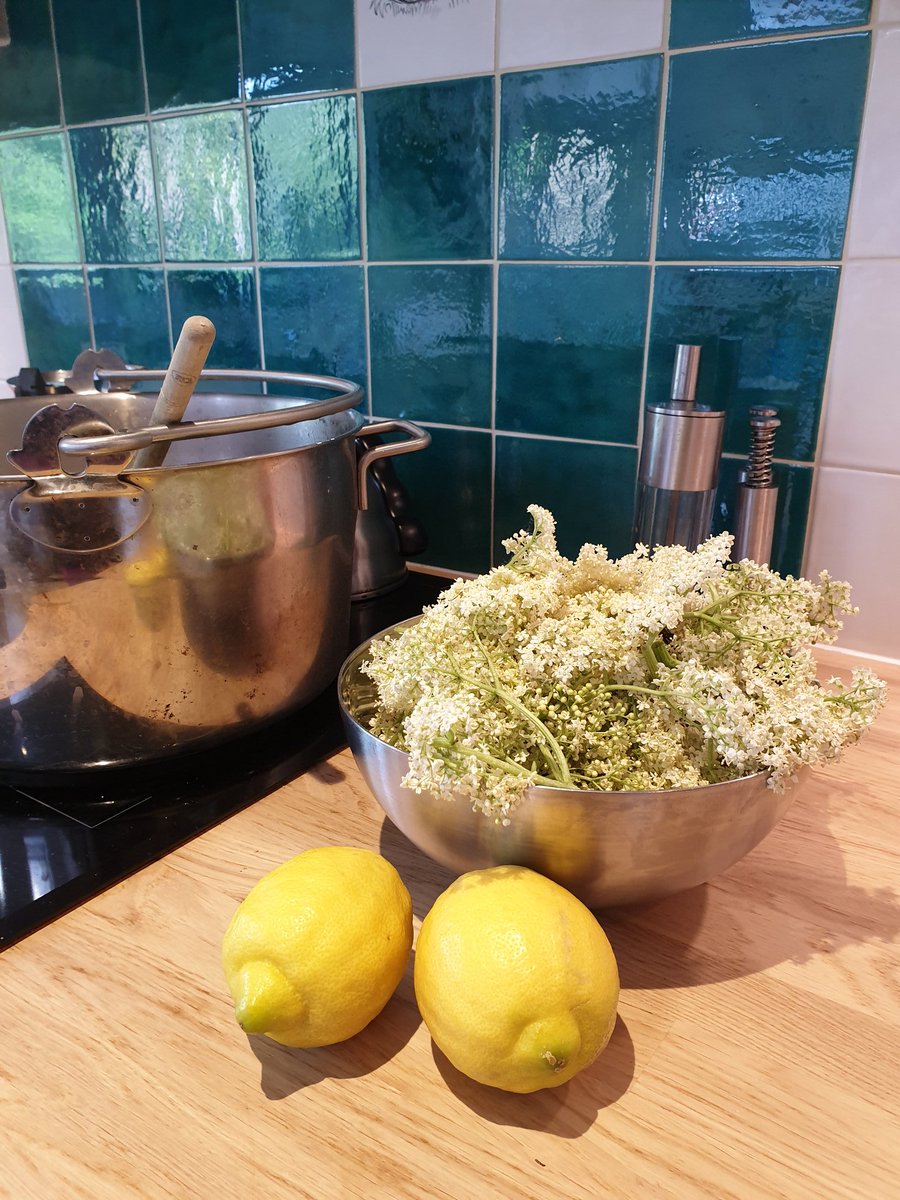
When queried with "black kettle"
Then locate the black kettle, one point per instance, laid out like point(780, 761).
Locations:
point(387, 533)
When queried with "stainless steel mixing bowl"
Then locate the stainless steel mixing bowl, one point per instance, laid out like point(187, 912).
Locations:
point(608, 848)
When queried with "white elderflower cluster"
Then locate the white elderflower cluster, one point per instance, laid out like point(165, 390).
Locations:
point(657, 670)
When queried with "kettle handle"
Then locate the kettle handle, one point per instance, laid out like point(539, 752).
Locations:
point(418, 439)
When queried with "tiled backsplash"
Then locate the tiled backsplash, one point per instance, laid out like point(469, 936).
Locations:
point(502, 224)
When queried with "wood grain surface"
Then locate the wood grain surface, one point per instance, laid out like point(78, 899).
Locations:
point(755, 1054)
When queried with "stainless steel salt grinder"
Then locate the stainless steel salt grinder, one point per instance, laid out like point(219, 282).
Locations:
point(679, 464)
point(757, 494)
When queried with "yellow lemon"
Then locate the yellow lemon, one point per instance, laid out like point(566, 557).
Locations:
point(318, 947)
point(515, 979)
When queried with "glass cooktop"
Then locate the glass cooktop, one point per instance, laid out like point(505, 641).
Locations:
point(64, 840)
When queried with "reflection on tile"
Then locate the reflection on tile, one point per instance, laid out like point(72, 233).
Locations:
point(29, 96)
point(589, 489)
point(794, 485)
point(305, 167)
point(114, 176)
point(101, 74)
point(767, 174)
point(291, 46)
point(202, 179)
point(428, 170)
point(191, 58)
point(578, 152)
point(38, 199)
point(570, 344)
point(449, 486)
point(862, 419)
point(765, 333)
point(314, 320)
point(579, 29)
point(12, 335)
point(400, 41)
point(431, 343)
point(228, 298)
point(55, 315)
point(699, 22)
point(128, 307)
point(853, 527)
point(875, 210)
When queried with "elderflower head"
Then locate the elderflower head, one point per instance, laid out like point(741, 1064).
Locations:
point(657, 670)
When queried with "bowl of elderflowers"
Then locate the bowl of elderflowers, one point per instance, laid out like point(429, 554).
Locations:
point(629, 727)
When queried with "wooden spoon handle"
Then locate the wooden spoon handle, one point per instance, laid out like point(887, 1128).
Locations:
point(194, 342)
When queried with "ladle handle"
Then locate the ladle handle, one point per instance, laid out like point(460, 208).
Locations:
point(188, 358)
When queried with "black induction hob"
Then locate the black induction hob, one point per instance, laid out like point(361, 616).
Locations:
point(64, 840)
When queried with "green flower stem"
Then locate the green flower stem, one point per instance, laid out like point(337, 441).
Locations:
point(506, 697)
point(650, 659)
point(449, 751)
point(661, 653)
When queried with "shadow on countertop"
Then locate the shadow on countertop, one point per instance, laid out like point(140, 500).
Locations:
point(287, 1069)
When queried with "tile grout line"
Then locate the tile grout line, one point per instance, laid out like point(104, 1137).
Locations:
point(748, 264)
point(73, 185)
point(154, 172)
point(825, 402)
point(362, 207)
point(251, 195)
point(655, 202)
point(495, 283)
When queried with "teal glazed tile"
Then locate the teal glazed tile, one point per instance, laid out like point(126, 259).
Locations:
point(431, 343)
point(700, 22)
point(128, 308)
point(578, 153)
point(116, 198)
point(570, 346)
point(765, 334)
point(293, 46)
point(760, 147)
point(55, 317)
point(305, 166)
point(314, 320)
point(428, 170)
point(449, 488)
point(794, 485)
point(589, 490)
point(38, 199)
point(101, 72)
point(228, 298)
point(202, 180)
point(191, 54)
point(29, 95)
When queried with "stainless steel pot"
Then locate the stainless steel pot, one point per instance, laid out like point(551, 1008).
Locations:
point(145, 611)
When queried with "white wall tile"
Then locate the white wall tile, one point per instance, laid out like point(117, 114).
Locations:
point(402, 42)
point(887, 11)
point(12, 338)
point(875, 207)
point(862, 414)
point(853, 535)
point(534, 32)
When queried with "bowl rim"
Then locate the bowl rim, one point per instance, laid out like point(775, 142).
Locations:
point(703, 789)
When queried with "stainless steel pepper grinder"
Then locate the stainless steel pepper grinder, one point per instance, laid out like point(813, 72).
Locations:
point(679, 465)
point(757, 495)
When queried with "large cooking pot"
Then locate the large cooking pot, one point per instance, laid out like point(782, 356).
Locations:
point(146, 611)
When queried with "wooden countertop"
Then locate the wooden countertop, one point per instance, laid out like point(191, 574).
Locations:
point(755, 1055)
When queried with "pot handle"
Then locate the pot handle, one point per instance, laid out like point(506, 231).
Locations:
point(349, 396)
point(418, 439)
